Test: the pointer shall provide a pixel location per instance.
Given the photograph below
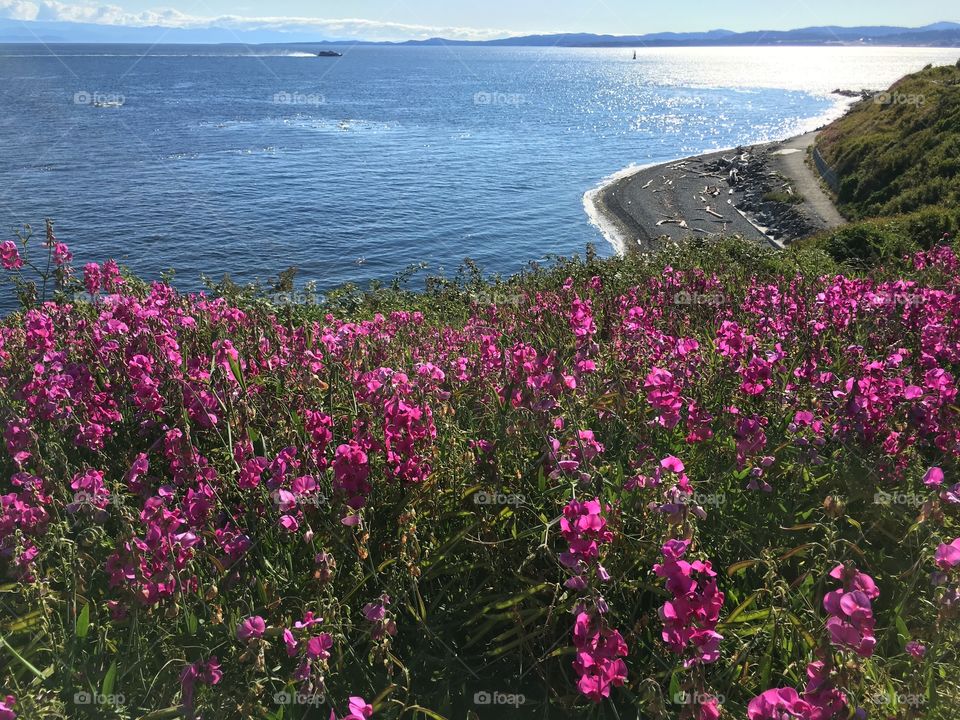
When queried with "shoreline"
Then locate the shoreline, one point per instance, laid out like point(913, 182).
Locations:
point(765, 192)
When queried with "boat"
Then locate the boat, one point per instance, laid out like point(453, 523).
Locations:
point(634, 54)
point(329, 53)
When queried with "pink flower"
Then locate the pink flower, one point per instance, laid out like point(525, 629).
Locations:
point(208, 673)
point(308, 619)
point(851, 622)
point(916, 650)
point(933, 478)
point(10, 256)
point(777, 704)
point(61, 254)
point(360, 709)
point(318, 647)
point(663, 394)
point(947, 557)
point(351, 470)
point(820, 700)
point(674, 465)
point(709, 709)
point(251, 628)
point(290, 642)
point(585, 529)
point(6, 708)
point(92, 278)
point(376, 613)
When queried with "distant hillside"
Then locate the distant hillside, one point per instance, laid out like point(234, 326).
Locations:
point(900, 151)
point(942, 34)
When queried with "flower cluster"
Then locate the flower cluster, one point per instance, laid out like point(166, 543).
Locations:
point(690, 618)
point(947, 578)
point(600, 648)
point(600, 651)
point(10, 256)
point(171, 458)
point(585, 529)
point(851, 622)
point(201, 672)
point(820, 700)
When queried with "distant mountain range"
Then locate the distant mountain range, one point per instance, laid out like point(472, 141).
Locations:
point(941, 34)
point(938, 34)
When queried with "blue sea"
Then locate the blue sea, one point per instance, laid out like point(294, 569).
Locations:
point(246, 160)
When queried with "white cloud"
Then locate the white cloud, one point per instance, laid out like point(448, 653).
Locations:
point(346, 28)
point(18, 10)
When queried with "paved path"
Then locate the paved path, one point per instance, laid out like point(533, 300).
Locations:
point(790, 159)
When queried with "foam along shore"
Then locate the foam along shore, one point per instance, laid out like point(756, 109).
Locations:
point(766, 192)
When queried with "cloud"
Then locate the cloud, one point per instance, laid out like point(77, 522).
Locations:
point(18, 10)
point(346, 28)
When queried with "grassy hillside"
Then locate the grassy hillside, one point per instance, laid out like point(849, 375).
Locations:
point(900, 151)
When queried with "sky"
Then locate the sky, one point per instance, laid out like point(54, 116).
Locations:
point(485, 19)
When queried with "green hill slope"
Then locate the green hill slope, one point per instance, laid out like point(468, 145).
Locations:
point(900, 151)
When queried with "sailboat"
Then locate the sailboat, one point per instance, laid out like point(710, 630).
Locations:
point(634, 54)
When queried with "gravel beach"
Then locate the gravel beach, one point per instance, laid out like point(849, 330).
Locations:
point(767, 193)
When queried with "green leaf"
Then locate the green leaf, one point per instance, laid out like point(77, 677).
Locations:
point(191, 623)
point(902, 630)
point(109, 679)
point(807, 637)
point(26, 663)
point(742, 565)
point(425, 711)
point(83, 622)
point(738, 611)
point(674, 686)
point(237, 372)
point(766, 662)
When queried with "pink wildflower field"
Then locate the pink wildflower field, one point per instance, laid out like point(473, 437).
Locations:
point(711, 483)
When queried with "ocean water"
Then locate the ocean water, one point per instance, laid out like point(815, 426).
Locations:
point(239, 160)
